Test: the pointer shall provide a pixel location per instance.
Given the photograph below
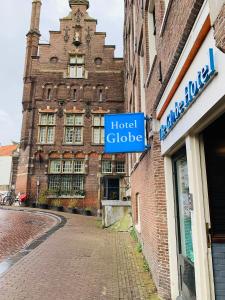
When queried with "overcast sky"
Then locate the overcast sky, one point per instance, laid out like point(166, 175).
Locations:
point(15, 20)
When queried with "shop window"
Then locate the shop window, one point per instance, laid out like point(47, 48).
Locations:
point(46, 128)
point(98, 129)
point(120, 167)
point(73, 133)
point(76, 66)
point(66, 177)
point(107, 166)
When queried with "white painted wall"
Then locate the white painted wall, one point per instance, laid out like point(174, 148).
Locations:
point(5, 169)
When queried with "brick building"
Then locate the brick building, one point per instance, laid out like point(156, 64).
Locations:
point(69, 84)
point(174, 53)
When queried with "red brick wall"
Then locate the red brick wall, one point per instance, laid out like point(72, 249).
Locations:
point(220, 30)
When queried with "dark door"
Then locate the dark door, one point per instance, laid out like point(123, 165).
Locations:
point(214, 143)
point(111, 188)
point(184, 228)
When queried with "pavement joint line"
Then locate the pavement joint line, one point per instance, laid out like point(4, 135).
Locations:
point(6, 264)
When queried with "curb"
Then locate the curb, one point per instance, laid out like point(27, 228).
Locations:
point(5, 265)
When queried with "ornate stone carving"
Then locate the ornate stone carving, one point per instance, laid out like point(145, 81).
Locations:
point(66, 35)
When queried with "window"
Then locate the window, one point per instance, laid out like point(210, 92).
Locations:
point(120, 167)
point(46, 128)
point(106, 166)
point(151, 33)
point(100, 96)
point(98, 129)
point(76, 66)
point(73, 129)
point(66, 177)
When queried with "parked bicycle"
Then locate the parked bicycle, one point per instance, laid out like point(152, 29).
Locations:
point(7, 198)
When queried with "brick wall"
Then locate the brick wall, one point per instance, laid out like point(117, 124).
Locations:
point(220, 30)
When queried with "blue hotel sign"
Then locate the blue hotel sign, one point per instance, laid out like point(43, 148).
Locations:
point(191, 92)
point(124, 133)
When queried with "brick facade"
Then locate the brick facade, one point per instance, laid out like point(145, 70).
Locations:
point(219, 30)
point(147, 75)
point(50, 89)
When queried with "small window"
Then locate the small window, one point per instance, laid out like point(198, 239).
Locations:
point(76, 66)
point(120, 167)
point(55, 167)
point(46, 128)
point(98, 61)
point(107, 166)
point(54, 60)
point(79, 166)
point(100, 95)
point(73, 129)
point(98, 130)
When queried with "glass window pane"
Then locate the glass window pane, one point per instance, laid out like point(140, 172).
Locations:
point(72, 59)
point(79, 72)
point(120, 167)
point(43, 119)
point(51, 119)
point(72, 72)
point(96, 121)
point(67, 166)
point(70, 119)
point(54, 182)
point(102, 120)
point(78, 135)
point(185, 209)
point(106, 166)
point(78, 166)
point(55, 166)
point(78, 184)
point(96, 136)
point(80, 59)
point(42, 135)
point(50, 135)
point(66, 185)
point(79, 120)
point(69, 131)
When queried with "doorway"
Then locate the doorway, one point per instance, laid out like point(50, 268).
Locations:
point(111, 188)
point(183, 214)
point(214, 144)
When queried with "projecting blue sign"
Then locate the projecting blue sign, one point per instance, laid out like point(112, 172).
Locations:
point(191, 92)
point(124, 133)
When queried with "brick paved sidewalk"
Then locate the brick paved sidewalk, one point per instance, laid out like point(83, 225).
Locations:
point(81, 262)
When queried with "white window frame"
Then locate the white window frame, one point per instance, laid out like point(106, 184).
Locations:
point(76, 67)
point(73, 126)
point(46, 129)
point(105, 169)
point(100, 128)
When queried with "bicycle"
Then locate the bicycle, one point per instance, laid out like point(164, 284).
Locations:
point(7, 199)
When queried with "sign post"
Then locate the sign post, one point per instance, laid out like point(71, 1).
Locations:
point(125, 133)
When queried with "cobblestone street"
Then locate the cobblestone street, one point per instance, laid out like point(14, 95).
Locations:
point(18, 229)
point(80, 261)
